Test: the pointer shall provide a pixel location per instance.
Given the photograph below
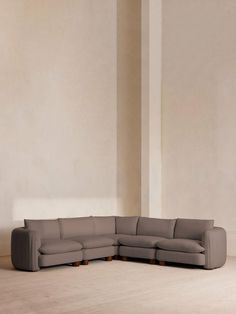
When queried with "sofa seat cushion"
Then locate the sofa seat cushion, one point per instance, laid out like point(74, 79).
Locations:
point(140, 241)
point(91, 242)
point(181, 245)
point(59, 246)
point(115, 237)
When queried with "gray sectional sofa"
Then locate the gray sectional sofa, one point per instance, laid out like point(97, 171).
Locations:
point(42, 243)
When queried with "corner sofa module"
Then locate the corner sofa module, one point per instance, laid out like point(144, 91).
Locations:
point(42, 243)
point(149, 232)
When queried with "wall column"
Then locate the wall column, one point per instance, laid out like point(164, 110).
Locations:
point(151, 108)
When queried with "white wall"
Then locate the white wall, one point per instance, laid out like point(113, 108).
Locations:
point(199, 112)
point(58, 112)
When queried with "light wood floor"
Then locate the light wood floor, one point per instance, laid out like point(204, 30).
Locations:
point(118, 287)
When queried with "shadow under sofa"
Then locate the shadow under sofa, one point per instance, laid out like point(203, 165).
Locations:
point(42, 243)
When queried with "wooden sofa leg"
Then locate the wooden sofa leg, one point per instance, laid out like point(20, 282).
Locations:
point(152, 261)
point(76, 264)
point(108, 258)
point(124, 258)
point(85, 262)
point(162, 263)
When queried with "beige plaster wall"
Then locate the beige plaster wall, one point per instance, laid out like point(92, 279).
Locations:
point(58, 112)
point(199, 112)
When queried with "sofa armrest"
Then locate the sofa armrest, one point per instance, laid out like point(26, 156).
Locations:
point(215, 245)
point(25, 244)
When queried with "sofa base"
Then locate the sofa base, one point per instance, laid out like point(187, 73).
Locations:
point(116, 249)
point(60, 259)
point(136, 252)
point(181, 257)
point(101, 252)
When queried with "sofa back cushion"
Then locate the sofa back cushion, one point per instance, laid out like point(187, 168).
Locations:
point(79, 226)
point(127, 225)
point(105, 225)
point(192, 228)
point(156, 227)
point(46, 228)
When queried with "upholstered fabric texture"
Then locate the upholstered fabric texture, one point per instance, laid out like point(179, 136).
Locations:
point(47, 229)
point(156, 227)
point(105, 225)
point(60, 259)
point(72, 227)
point(99, 252)
point(181, 257)
point(59, 246)
point(25, 244)
point(215, 244)
point(115, 237)
point(126, 225)
point(181, 245)
point(192, 228)
point(137, 252)
point(140, 241)
point(90, 242)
